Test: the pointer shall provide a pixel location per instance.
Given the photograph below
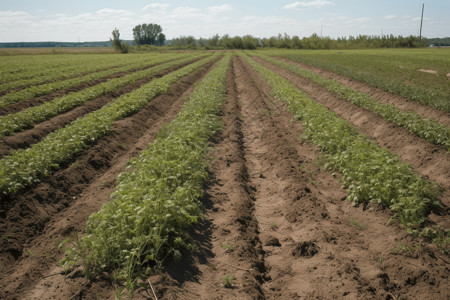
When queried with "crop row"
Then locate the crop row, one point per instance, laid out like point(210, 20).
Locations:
point(28, 117)
point(43, 89)
point(370, 173)
point(35, 78)
point(152, 205)
point(25, 167)
point(429, 129)
point(30, 66)
point(435, 98)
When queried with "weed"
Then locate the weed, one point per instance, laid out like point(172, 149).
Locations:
point(228, 281)
point(228, 248)
point(273, 226)
point(356, 223)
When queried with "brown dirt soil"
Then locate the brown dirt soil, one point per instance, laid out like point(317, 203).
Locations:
point(35, 222)
point(26, 138)
point(274, 220)
point(430, 161)
point(380, 95)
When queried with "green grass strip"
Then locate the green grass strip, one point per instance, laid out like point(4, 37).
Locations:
point(25, 167)
point(429, 129)
point(370, 173)
point(152, 205)
point(28, 117)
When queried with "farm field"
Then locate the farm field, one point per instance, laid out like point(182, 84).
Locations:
point(213, 175)
point(421, 75)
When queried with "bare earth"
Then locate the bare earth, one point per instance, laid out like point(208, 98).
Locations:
point(276, 224)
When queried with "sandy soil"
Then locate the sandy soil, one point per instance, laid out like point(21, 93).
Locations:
point(276, 226)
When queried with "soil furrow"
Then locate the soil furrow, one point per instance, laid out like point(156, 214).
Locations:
point(227, 241)
point(26, 138)
point(380, 95)
point(18, 106)
point(430, 161)
point(326, 248)
point(61, 203)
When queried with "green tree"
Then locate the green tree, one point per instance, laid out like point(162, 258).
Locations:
point(161, 39)
point(148, 34)
point(116, 43)
point(249, 42)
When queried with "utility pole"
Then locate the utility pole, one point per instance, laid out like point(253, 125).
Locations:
point(421, 22)
point(321, 27)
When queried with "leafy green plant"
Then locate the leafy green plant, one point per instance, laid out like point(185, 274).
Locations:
point(428, 129)
point(42, 71)
point(26, 167)
point(381, 69)
point(28, 117)
point(154, 202)
point(369, 173)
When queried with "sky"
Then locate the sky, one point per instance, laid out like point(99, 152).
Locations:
point(93, 20)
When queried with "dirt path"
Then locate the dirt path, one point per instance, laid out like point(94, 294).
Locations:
point(26, 138)
point(35, 222)
point(279, 225)
point(380, 95)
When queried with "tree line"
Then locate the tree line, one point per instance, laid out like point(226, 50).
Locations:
point(295, 42)
point(151, 34)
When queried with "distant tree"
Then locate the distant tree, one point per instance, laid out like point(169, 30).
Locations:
point(249, 42)
point(148, 34)
point(116, 43)
point(214, 41)
point(161, 39)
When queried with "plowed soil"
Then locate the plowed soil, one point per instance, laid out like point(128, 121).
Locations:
point(276, 225)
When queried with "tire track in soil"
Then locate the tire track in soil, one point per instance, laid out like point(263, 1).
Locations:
point(25, 139)
point(35, 101)
point(404, 104)
point(36, 221)
point(305, 245)
point(430, 161)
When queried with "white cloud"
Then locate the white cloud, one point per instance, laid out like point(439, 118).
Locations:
point(397, 17)
point(219, 9)
point(302, 4)
point(391, 17)
point(155, 6)
point(110, 12)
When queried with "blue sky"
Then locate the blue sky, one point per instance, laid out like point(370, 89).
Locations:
point(49, 20)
